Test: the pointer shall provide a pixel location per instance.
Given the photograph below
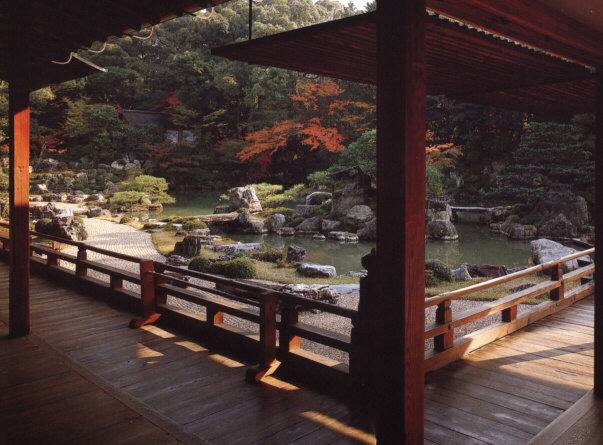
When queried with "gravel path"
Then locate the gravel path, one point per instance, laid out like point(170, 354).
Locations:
point(125, 239)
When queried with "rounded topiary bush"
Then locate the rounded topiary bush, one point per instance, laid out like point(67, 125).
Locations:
point(269, 254)
point(43, 225)
point(240, 268)
point(194, 225)
point(200, 264)
point(440, 270)
point(125, 220)
point(430, 279)
point(217, 267)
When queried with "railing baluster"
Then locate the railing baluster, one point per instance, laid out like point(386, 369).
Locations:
point(557, 275)
point(444, 316)
point(82, 255)
point(287, 341)
point(214, 316)
point(509, 314)
point(147, 295)
point(268, 363)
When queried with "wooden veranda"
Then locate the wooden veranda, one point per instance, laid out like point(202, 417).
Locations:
point(406, 53)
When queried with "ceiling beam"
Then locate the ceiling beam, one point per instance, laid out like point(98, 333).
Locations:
point(531, 22)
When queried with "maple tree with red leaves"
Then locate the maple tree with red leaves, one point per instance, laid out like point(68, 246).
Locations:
point(320, 115)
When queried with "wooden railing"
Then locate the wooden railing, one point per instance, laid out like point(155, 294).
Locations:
point(279, 331)
point(447, 348)
point(277, 313)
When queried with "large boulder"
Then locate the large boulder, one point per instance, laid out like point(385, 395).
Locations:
point(551, 204)
point(513, 229)
point(48, 211)
point(358, 215)
point(461, 274)
point(231, 249)
point(95, 211)
point(559, 227)
point(321, 292)
point(47, 165)
point(351, 195)
point(486, 270)
point(369, 231)
point(545, 250)
point(304, 210)
point(96, 197)
point(329, 225)
point(277, 221)
point(286, 231)
point(189, 247)
point(441, 230)
point(295, 254)
point(256, 226)
point(314, 270)
point(317, 198)
point(110, 188)
point(82, 178)
point(244, 198)
point(66, 227)
point(310, 225)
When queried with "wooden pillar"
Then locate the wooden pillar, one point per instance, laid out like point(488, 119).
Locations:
point(599, 240)
point(401, 122)
point(18, 116)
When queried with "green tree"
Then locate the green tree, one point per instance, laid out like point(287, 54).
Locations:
point(154, 188)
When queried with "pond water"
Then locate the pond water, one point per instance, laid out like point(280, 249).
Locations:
point(476, 244)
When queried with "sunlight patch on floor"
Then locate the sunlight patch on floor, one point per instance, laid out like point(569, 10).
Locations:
point(340, 427)
point(191, 346)
point(158, 331)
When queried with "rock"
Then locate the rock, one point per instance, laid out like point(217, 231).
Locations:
point(486, 270)
point(351, 195)
point(277, 221)
point(94, 211)
point(343, 236)
point(317, 198)
point(103, 166)
point(221, 208)
point(295, 254)
point(48, 211)
point(545, 250)
point(369, 231)
point(145, 200)
point(441, 230)
point(558, 227)
point(189, 247)
point(82, 177)
point(319, 237)
point(48, 164)
point(76, 200)
point(68, 181)
point(513, 229)
point(110, 188)
point(40, 188)
point(230, 249)
point(522, 287)
point(329, 225)
point(176, 260)
point(80, 193)
point(303, 210)
point(310, 224)
point(243, 219)
point(461, 274)
point(358, 215)
point(286, 231)
point(359, 274)
point(550, 205)
point(115, 165)
point(131, 166)
point(200, 232)
point(244, 197)
point(319, 292)
point(64, 227)
point(96, 197)
point(52, 181)
point(314, 270)
point(256, 226)
point(36, 199)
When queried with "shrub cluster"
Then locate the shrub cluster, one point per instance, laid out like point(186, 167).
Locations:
point(200, 264)
point(236, 268)
point(125, 220)
point(440, 270)
point(269, 254)
point(43, 225)
point(193, 224)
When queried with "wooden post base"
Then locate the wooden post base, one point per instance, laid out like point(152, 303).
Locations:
point(140, 322)
point(255, 374)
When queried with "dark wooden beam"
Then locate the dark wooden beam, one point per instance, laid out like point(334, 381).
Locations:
point(531, 22)
point(18, 115)
point(401, 102)
point(599, 240)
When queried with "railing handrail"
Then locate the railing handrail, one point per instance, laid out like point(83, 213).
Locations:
point(455, 294)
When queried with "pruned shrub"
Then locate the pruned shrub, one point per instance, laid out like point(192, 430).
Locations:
point(125, 220)
point(200, 264)
point(240, 268)
point(269, 254)
point(440, 270)
point(193, 224)
point(430, 279)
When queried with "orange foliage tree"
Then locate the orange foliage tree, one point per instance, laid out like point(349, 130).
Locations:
point(320, 115)
point(442, 156)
